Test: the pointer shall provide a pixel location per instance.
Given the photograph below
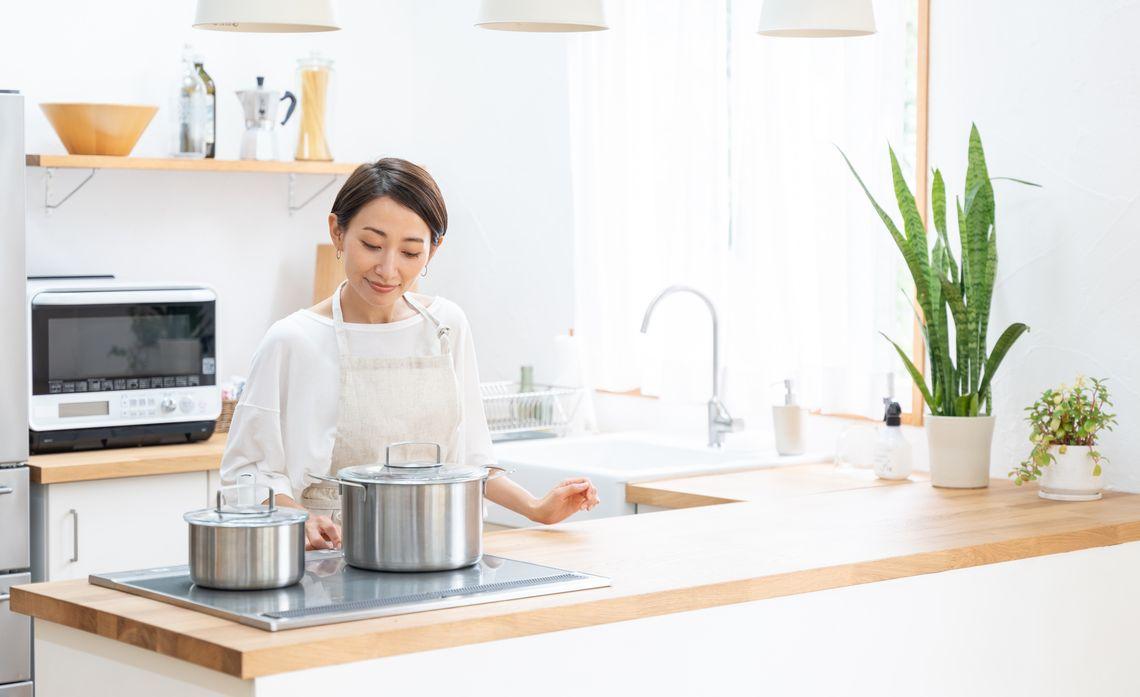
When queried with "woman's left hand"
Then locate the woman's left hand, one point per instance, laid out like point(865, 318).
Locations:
point(564, 500)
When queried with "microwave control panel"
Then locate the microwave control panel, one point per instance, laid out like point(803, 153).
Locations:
point(131, 407)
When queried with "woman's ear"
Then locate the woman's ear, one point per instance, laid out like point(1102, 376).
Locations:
point(335, 233)
point(434, 248)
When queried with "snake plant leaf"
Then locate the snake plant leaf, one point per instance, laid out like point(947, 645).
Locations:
point(954, 299)
point(979, 219)
point(893, 229)
point(915, 234)
point(977, 176)
point(1004, 342)
point(985, 295)
point(961, 242)
point(962, 405)
point(1014, 179)
point(914, 374)
point(938, 207)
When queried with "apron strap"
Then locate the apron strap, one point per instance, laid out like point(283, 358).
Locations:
point(442, 331)
point(338, 321)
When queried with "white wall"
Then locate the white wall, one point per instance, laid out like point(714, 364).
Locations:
point(1054, 87)
point(484, 111)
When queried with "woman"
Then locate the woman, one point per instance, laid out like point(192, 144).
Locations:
point(374, 364)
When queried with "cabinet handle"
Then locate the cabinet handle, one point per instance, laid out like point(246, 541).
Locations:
point(4, 597)
point(75, 537)
point(5, 490)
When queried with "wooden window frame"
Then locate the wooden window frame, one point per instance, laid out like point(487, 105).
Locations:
point(922, 197)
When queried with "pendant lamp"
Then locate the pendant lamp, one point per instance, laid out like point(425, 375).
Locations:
point(266, 16)
point(542, 15)
point(816, 18)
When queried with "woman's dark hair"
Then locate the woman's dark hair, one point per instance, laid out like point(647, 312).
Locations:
point(406, 183)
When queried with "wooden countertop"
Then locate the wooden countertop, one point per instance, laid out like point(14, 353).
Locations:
point(660, 563)
point(85, 465)
point(770, 484)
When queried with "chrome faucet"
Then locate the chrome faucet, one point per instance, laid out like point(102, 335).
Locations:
point(720, 421)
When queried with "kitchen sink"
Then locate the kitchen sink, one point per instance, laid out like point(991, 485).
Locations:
point(612, 460)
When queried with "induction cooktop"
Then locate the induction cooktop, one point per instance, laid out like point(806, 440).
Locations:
point(331, 591)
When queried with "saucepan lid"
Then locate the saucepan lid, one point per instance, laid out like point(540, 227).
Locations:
point(415, 471)
point(238, 506)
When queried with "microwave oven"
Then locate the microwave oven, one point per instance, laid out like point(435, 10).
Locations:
point(115, 364)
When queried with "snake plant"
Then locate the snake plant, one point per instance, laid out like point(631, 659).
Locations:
point(961, 372)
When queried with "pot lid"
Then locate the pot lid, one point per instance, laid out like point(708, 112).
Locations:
point(412, 472)
point(237, 507)
point(409, 473)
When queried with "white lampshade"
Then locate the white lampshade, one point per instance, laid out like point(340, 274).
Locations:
point(817, 18)
point(542, 15)
point(276, 16)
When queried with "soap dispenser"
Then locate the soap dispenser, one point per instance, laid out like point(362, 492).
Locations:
point(893, 459)
point(788, 424)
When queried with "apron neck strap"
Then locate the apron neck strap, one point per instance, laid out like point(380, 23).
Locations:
point(442, 331)
point(338, 321)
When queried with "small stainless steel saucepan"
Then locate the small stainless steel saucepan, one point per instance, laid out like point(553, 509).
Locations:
point(412, 516)
point(247, 546)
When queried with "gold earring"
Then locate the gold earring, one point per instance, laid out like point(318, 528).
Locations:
point(338, 254)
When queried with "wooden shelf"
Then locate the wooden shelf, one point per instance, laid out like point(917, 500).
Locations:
point(187, 165)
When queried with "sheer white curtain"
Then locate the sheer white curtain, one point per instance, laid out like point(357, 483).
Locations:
point(705, 154)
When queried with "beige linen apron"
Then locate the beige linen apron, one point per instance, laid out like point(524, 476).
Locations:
point(387, 400)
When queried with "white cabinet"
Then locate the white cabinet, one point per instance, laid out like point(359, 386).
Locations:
point(112, 524)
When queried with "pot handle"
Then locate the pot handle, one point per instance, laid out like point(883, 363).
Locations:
point(503, 471)
point(272, 502)
point(388, 451)
point(334, 480)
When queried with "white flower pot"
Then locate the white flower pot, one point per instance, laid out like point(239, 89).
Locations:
point(959, 450)
point(1070, 477)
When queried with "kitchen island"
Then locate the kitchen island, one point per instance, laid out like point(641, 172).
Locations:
point(896, 589)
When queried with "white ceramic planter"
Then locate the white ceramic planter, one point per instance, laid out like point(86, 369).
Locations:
point(959, 450)
point(1070, 476)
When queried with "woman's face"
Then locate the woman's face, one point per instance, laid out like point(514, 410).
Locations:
point(385, 248)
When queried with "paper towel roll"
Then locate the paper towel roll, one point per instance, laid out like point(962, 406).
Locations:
point(570, 371)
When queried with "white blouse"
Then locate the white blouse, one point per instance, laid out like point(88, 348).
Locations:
point(285, 422)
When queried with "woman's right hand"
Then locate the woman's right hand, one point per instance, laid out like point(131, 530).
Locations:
point(321, 533)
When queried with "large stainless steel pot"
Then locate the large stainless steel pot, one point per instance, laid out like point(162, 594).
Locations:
point(247, 547)
point(412, 516)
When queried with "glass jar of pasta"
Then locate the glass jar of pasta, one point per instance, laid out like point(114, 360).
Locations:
point(313, 76)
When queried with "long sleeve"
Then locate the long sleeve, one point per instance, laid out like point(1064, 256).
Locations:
point(476, 437)
point(255, 442)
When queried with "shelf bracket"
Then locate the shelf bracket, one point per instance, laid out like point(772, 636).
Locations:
point(293, 205)
point(48, 205)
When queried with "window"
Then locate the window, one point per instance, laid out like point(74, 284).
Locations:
point(706, 155)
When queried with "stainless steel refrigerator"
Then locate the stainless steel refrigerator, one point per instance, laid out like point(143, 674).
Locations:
point(15, 536)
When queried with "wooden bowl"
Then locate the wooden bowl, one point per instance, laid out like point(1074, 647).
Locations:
point(99, 129)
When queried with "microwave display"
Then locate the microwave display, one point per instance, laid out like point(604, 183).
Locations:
point(99, 348)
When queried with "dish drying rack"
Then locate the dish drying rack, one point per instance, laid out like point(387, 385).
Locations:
point(543, 411)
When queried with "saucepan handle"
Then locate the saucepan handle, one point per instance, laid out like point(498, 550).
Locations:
point(334, 480)
point(502, 472)
point(388, 451)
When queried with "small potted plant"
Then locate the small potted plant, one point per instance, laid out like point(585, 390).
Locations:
point(1065, 424)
